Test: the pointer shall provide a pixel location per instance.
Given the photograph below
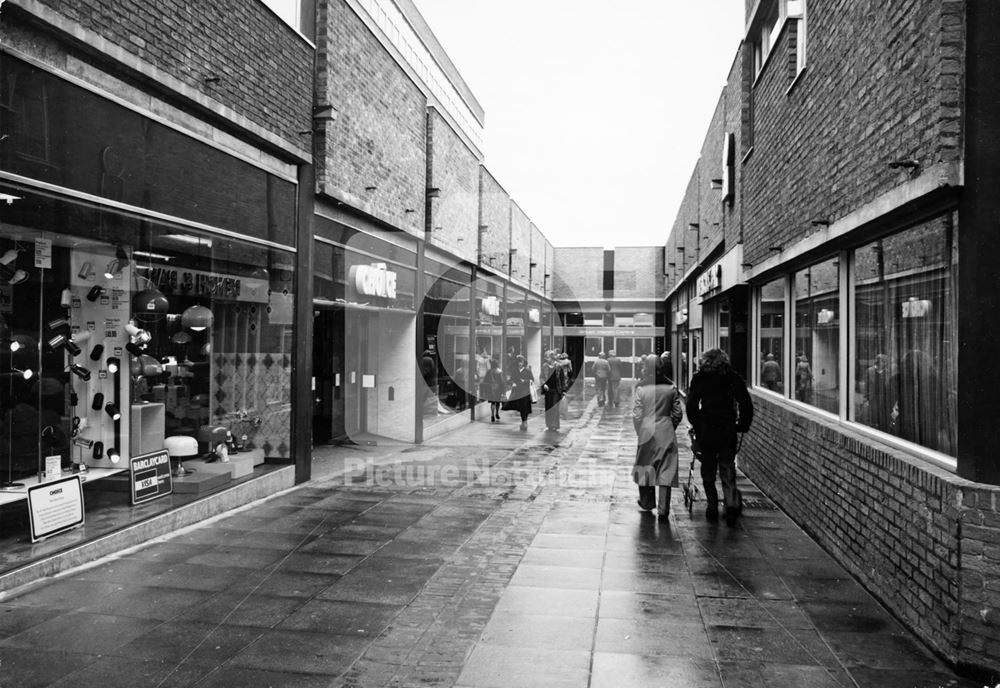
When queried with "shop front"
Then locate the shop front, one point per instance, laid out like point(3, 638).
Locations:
point(364, 332)
point(724, 305)
point(146, 310)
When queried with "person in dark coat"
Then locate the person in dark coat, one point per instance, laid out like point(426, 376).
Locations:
point(520, 390)
point(718, 407)
point(491, 389)
point(553, 380)
point(614, 377)
point(601, 370)
point(656, 413)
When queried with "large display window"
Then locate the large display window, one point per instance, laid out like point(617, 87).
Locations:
point(447, 358)
point(816, 366)
point(121, 335)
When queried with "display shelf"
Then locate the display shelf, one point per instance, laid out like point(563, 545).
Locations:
point(14, 494)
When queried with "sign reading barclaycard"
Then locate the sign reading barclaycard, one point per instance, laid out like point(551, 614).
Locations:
point(373, 280)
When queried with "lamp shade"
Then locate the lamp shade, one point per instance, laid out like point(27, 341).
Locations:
point(149, 302)
point(197, 318)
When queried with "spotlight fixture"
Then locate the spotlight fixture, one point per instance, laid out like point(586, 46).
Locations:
point(98, 402)
point(909, 163)
point(57, 323)
point(71, 347)
point(433, 192)
point(98, 450)
point(80, 372)
point(9, 256)
point(57, 342)
point(715, 184)
point(694, 225)
point(134, 349)
point(66, 298)
point(113, 270)
point(747, 265)
point(112, 410)
point(776, 249)
point(97, 352)
point(138, 336)
point(95, 293)
point(86, 270)
point(114, 456)
point(150, 302)
point(26, 373)
point(820, 222)
point(12, 275)
point(114, 364)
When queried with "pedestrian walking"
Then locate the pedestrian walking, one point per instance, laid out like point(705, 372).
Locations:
point(491, 389)
point(552, 378)
point(803, 379)
point(770, 372)
point(656, 413)
point(719, 407)
point(614, 377)
point(601, 370)
point(567, 366)
point(521, 381)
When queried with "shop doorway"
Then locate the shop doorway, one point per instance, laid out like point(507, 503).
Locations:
point(343, 374)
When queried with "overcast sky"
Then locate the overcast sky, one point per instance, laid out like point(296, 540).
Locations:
point(595, 110)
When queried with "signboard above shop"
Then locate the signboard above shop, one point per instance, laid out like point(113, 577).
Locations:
point(373, 280)
point(709, 280)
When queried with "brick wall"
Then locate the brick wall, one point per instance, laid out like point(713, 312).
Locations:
point(452, 169)
point(264, 68)
point(494, 217)
point(538, 258)
point(373, 157)
point(638, 272)
point(520, 238)
point(578, 273)
point(922, 540)
point(882, 83)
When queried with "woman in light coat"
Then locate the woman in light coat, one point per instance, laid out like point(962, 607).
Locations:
point(656, 413)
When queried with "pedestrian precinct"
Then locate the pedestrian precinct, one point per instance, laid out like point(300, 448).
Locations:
point(552, 378)
point(491, 389)
point(718, 407)
point(601, 371)
point(521, 381)
point(656, 413)
point(614, 377)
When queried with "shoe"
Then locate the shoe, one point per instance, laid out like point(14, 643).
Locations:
point(712, 512)
point(732, 516)
point(643, 506)
point(662, 518)
point(524, 426)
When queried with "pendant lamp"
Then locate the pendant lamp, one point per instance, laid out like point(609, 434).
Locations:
point(197, 318)
point(149, 304)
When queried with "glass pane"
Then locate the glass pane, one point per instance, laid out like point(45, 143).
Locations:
point(817, 335)
point(771, 335)
point(905, 371)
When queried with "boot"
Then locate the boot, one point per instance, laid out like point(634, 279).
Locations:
point(663, 508)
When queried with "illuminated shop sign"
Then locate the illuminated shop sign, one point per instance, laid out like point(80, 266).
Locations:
point(491, 306)
point(534, 315)
point(709, 280)
point(916, 308)
point(373, 280)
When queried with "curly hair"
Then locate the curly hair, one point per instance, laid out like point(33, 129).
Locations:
point(714, 361)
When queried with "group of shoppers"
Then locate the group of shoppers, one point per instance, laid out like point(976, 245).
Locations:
point(718, 407)
point(518, 391)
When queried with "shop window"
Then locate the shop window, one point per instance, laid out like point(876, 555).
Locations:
point(134, 333)
point(771, 335)
point(817, 335)
point(593, 345)
point(905, 326)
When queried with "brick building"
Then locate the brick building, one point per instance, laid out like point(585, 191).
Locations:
point(837, 229)
point(228, 228)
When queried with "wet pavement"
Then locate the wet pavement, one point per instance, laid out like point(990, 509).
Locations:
point(486, 557)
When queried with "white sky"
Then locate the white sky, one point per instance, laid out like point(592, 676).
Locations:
point(595, 110)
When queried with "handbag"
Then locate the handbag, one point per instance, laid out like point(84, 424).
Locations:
point(534, 393)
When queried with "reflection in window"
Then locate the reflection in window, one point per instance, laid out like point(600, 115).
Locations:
point(905, 372)
point(817, 335)
point(771, 333)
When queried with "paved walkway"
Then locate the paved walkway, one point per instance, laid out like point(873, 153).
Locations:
point(488, 557)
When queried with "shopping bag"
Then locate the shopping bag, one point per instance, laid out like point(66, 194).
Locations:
point(534, 394)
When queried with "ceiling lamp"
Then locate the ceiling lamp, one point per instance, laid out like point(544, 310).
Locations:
point(197, 318)
point(149, 303)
